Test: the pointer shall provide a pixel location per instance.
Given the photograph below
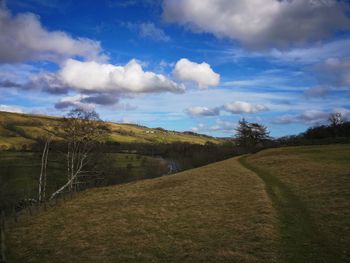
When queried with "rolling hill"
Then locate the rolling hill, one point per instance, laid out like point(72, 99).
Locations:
point(279, 205)
point(216, 213)
point(20, 131)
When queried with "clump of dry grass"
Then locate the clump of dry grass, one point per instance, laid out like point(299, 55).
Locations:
point(216, 213)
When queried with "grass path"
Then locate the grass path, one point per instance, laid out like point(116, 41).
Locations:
point(301, 241)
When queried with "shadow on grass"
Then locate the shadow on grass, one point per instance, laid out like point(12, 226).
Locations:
point(300, 239)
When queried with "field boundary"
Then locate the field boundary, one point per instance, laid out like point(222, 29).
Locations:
point(300, 241)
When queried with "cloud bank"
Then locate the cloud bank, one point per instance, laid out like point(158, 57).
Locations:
point(261, 23)
point(23, 38)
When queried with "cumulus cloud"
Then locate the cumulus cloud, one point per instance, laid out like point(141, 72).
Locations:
point(48, 82)
point(239, 107)
point(24, 38)
point(202, 73)
point(202, 111)
point(90, 77)
point(74, 102)
point(131, 78)
point(11, 108)
point(261, 23)
point(236, 107)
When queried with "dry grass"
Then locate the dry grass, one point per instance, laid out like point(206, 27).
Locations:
point(319, 176)
point(216, 213)
point(32, 127)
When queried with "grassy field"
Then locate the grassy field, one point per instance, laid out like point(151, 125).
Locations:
point(310, 188)
point(20, 131)
point(279, 205)
point(217, 213)
point(18, 182)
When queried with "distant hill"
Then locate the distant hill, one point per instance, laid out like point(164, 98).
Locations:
point(21, 131)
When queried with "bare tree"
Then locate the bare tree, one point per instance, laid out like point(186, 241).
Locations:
point(82, 130)
point(43, 172)
point(336, 119)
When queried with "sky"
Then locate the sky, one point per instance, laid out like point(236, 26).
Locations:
point(184, 65)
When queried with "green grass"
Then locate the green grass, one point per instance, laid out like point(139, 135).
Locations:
point(216, 213)
point(20, 172)
point(19, 175)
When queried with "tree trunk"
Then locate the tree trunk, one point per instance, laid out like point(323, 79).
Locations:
point(42, 173)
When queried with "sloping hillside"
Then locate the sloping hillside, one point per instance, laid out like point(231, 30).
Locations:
point(217, 213)
point(310, 187)
point(288, 205)
point(21, 131)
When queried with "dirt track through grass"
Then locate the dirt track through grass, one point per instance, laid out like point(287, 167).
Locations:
point(301, 241)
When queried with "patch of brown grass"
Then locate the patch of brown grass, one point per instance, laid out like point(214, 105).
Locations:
point(216, 213)
point(320, 177)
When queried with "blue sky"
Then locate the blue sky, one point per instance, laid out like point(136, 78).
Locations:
point(181, 65)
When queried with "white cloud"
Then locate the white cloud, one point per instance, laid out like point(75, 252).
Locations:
point(314, 54)
point(11, 108)
point(24, 38)
point(74, 102)
point(149, 30)
point(238, 107)
point(202, 74)
point(336, 71)
point(309, 117)
point(95, 77)
point(261, 23)
point(218, 126)
point(222, 125)
point(202, 111)
point(313, 117)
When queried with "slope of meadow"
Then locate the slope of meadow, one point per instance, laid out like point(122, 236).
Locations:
point(310, 187)
point(20, 131)
point(216, 213)
point(279, 205)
